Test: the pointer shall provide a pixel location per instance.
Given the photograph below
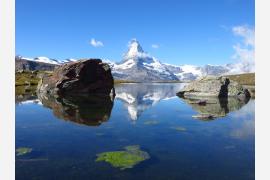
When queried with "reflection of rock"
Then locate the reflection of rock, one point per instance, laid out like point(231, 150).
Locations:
point(88, 110)
point(84, 76)
point(214, 87)
point(215, 107)
point(141, 96)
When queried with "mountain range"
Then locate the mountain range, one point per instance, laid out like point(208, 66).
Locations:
point(139, 66)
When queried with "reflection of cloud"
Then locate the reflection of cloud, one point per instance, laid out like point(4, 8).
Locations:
point(247, 110)
point(35, 101)
point(245, 131)
point(245, 116)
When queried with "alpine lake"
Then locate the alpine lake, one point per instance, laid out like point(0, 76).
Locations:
point(146, 132)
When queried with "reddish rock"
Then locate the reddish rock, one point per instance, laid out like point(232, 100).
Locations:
point(82, 77)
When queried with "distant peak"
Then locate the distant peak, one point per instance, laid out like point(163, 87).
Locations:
point(134, 48)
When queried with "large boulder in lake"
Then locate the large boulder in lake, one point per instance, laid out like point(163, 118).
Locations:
point(83, 77)
point(221, 87)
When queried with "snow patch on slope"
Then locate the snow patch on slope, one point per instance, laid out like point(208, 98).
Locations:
point(126, 65)
point(191, 69)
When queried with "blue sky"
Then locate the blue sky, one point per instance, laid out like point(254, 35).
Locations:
point(185, 31)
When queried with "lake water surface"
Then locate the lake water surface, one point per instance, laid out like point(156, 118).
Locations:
point(65, 136)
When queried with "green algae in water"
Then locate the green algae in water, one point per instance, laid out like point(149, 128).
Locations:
point(132, 148)
point(100, 134)
point(179, 128)
point(151, 122)
point(23, 150)
point(124, 159)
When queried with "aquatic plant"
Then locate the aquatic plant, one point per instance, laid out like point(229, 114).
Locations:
point(23, 150)
point(100, 134)
point(151, 122)
point(124, 159)
point(179, 128)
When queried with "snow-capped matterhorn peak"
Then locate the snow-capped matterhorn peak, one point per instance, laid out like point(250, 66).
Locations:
point(134, 49)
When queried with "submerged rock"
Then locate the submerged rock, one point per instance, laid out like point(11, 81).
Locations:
point(124, 159)
point(221, 87)
point(151, 122)
point(90, 76)
point(23, 150)
point(179, 128)
point(203, 116)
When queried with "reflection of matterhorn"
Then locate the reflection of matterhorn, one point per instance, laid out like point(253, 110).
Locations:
point(140, 97)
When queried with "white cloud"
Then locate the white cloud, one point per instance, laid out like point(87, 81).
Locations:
point(247, 33)
point(96, 43)
point(244, 51)
point(155, 46)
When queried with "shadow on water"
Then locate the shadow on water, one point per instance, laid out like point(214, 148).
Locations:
point(214, 107)
point(88, 110)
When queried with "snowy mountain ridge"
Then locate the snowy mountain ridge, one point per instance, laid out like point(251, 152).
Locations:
point(137, 65)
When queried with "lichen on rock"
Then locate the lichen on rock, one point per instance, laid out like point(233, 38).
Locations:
point(131, 156)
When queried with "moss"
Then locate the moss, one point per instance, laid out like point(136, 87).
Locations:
point(151, 122)
point(26, 78)
point(179, 128)
point(124, 159)
point(23, 150)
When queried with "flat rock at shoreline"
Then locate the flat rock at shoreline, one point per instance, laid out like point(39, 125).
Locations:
point(221, 87)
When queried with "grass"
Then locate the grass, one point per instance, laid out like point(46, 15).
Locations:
point(119, 81)
point(29, 78)
point(244, 79)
